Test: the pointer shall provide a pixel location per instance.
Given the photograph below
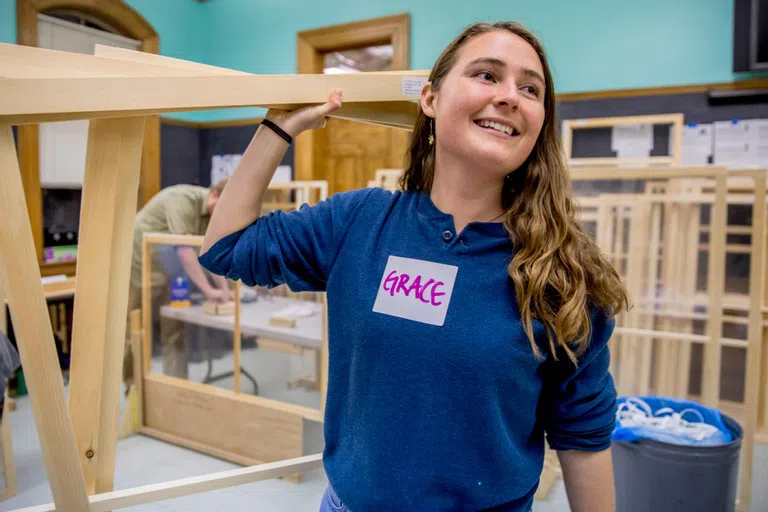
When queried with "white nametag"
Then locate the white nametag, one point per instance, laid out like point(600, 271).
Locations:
point(416, 289)
point(412, 85)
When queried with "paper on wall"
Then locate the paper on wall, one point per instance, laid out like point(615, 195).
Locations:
point(741, 143)
point(222, 166)
point(698, 143)
point(282, 174)
point(632, 140)
point(760, 133)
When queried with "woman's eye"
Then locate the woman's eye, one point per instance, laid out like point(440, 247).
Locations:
point(532, 89)
point(485, 75)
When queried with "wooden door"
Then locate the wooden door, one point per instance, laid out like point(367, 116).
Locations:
point(345, 153)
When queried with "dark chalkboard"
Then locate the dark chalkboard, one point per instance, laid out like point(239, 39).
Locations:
point(186, 151)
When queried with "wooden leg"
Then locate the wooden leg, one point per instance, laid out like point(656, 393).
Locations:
point(603, 235)
point(237, 340)
point(133, 418)
point(667, 349)
point(688, 273)
point(549, 475)
point(636, 362)
point(110, 189)
point(6, 442)
point(322, 377)
point(763, 402)
point(138, 373)
point(710, 375)
point(35, 337)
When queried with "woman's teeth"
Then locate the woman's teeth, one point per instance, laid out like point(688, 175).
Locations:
point(497, 126)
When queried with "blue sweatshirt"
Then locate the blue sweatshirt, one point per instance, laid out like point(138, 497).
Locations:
point(435, 399)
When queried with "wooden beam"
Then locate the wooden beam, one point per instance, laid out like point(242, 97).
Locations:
point(6, 452)
point(35, 337)
point(35, 100)
point(237, 340)
point(29, 162)
point(191, 414)
point(739, 85)
point(138, 370)
point(20, 61)
point(169, 239)
point(676, 138)
point(610, 161)
point(194, 485)
point(110, 185)
point(605, 122)
point(132, 56)
point(394, 115)
point(149, 180)
point(647, 173)
point(6, 440)
point(401, 114)
point(710, 375)
point(753, 384)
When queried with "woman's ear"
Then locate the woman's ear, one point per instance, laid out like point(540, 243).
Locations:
point(428, 99)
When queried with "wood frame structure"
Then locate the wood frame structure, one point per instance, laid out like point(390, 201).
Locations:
point(78, 442)
point(179, 411)
point(635, 333)
point(125, 19)
point(388, 179)
point(291, 195)
point(8, 469)
point(676, 132)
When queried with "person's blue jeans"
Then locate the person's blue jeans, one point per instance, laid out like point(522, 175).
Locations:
point(331, 502)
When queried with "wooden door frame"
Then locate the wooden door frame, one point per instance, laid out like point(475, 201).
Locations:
point(312, 44)
point(133, 25)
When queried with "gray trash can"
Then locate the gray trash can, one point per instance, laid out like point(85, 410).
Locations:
point(652, 476)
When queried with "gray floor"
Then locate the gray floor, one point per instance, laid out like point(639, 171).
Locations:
point(142, 460)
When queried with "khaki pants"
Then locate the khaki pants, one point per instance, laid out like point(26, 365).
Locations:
point(171, 334)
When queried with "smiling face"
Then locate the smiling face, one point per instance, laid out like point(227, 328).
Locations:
point(489, 109)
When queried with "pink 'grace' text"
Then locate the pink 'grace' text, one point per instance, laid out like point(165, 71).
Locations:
point(427, 292)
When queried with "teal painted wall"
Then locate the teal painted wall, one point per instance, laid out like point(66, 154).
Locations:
point(592, 44)
point(7, 21)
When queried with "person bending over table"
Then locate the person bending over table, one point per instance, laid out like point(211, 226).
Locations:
point(177, 210)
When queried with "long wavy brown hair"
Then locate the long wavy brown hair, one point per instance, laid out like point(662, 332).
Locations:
point(559, 274)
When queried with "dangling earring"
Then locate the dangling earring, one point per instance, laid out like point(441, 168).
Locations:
point(431, 132)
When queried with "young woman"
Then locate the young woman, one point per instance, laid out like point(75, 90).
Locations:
point(468, 315)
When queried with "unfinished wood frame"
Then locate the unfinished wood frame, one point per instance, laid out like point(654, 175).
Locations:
point(91, 89)
point(190, 414)
point(635, 333)
point(676, 133)
point(8, 468)
point(110, 185)
point(125, 19)
point(388, 179)
point(291, 195)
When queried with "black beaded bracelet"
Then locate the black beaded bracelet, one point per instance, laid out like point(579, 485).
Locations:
point(277, 130)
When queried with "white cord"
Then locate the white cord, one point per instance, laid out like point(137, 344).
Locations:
point(635, 412)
